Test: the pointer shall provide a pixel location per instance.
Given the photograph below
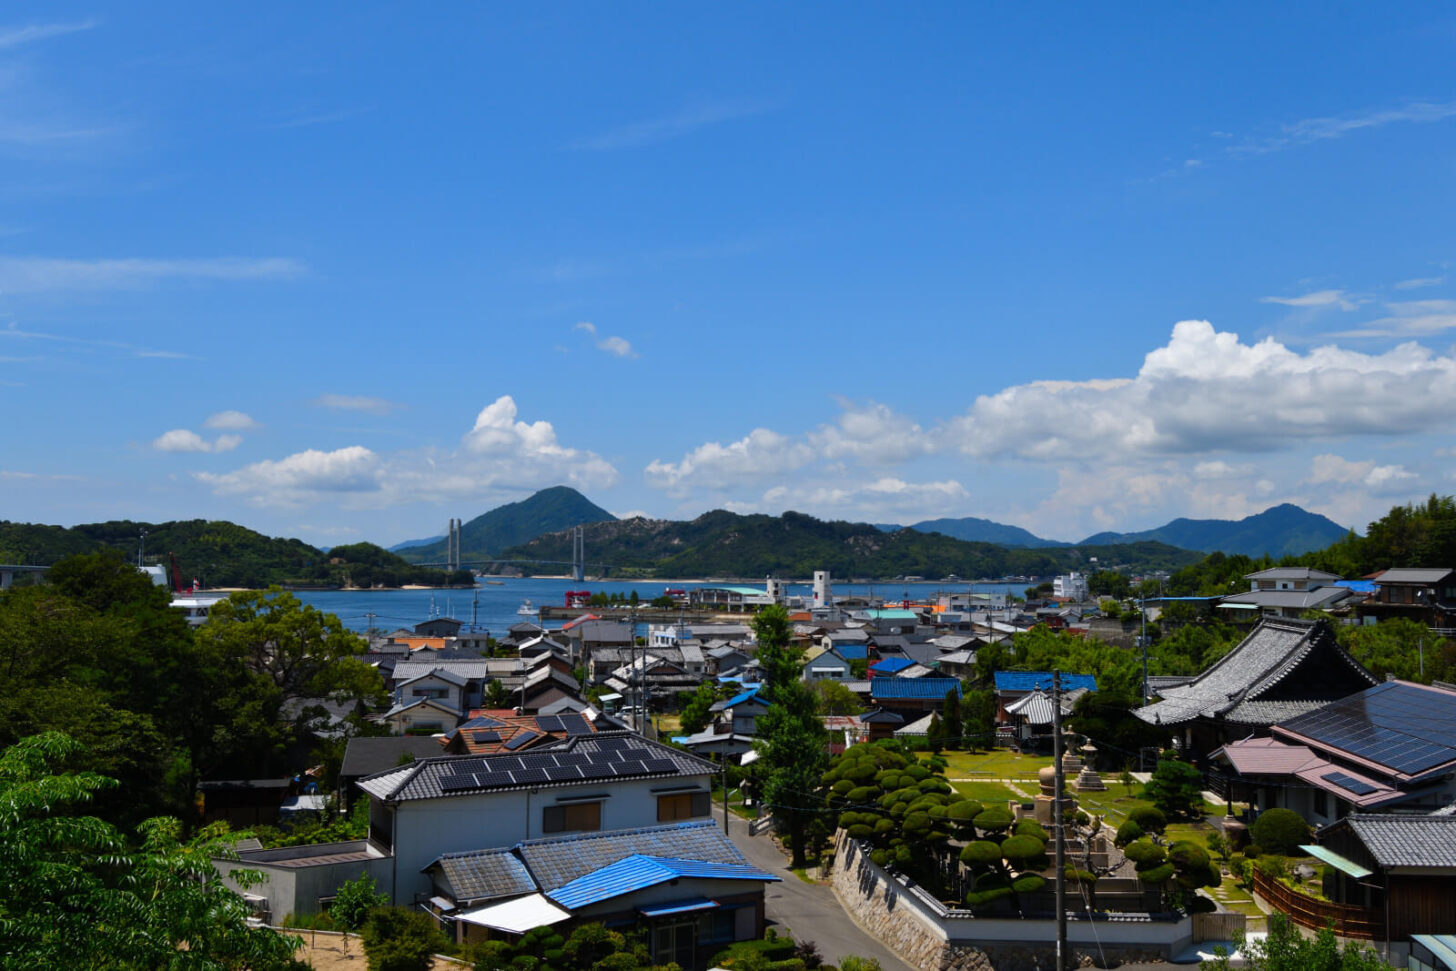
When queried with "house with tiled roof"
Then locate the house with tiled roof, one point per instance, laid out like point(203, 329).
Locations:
point(596, 782)
point(1283, 668)
point(1013, 686)
point(1391, 747)
point(488, 731)
point(1392, 875)
point(686, 884)
point(1426, 595)
point(911, 697)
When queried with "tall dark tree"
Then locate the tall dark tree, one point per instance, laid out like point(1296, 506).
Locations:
point(792, 742)
point(951, 726)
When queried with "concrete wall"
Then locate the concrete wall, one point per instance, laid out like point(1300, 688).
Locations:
point(925, 934)
point(426, 829)
point(292, 888)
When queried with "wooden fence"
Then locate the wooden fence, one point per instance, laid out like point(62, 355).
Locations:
point(1225, 926)
point(1346, 920)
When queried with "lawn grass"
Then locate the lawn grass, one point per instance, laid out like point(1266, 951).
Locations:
point(988, 793)
point(995, 764)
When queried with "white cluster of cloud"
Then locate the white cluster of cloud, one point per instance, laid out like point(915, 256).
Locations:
point(186, 440)
point(499, 454)
point(616, 346)
point(761, 454)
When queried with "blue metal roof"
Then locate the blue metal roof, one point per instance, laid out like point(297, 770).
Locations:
point(892, 613)
point(891, 664)
point(638, 872)
point(850, 651)
point(745, 696)
point(911, 688)
point(1031, 680)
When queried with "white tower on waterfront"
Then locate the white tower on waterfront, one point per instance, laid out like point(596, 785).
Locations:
point(823, 593)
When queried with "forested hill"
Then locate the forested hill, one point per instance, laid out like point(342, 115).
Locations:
point(557, 508)
point(1283, 530)
point(722, 543)
point(219, 553)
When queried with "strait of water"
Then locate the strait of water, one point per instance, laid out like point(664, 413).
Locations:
point(493, 607)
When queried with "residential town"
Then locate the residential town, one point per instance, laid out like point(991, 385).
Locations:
point(623, 773)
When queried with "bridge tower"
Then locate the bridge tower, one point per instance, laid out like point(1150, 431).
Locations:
point(452, 546)
point(578, 555)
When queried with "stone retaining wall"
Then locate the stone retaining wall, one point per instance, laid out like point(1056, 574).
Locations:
point(929, 937)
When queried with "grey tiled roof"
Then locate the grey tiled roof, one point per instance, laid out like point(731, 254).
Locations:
point(1412, 575)
point(471, 670)
point(1269, 712)
point(1414, 841)
point(422, 780)
point(557, 862)
point(1320, 598)
point(483, 874)
point(367, 756)
point(1272, 653)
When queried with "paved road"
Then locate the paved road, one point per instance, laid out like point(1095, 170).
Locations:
point(808, 911)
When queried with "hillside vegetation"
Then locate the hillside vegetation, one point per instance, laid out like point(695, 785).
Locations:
point(549, 510)
point(219, 554)
point(721, 543)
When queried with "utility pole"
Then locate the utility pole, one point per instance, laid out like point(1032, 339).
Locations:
point(723, 757)
point(370, 628)
point(141, 548)
point(1058, 809)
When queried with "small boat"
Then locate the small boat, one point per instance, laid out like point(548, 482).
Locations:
point(495, 583)
point(527, 609)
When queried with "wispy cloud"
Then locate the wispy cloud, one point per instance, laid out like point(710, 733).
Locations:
point(15, 333)
point(30, 33)
point(1418, 282)
point(230, 421)
point(1325, 128)
point(653, 130)
point(355, 402)
point(616, 346)
point(35, 274)
point(1319, 298)
point(1409, 318)
point(310, 119)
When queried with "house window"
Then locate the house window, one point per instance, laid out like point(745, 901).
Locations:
point(683, 805)
point(577, 817)
point(675, 942)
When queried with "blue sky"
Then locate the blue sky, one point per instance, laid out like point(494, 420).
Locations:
point(342, 272)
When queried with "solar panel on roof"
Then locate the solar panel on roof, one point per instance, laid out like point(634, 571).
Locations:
point(631, 768)
point(564, 773)
point(492, 780)
point(549, 723)
point(538, 761)
point(522, 739)
point(1346, 782)
point(576, 725)
point(482, 737)
point(660, 765)
point(614, 744)
point(600, 771)
point(573, 758)
point(457, 783)
point(531, 775)
point(1395, 725)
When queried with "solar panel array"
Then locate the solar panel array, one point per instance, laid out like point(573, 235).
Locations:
point(1347, 782)
point(1405, 728)
point(608, 758)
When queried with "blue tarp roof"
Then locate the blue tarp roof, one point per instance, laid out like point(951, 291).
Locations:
point(638, 872)
point(883, 688)
point(892, 664)
point(1031, 680)
point(1358, 586)
point(745, 696)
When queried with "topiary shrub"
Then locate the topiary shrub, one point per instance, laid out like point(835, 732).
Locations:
point(1280, 831)
point(1145, 853)
point(1128, 832)
point(994, 820)
point(1150, 819)
point(981, 853)
point(1161, 873)
point(988, 890)
point(1030, 827)
point(1028, 883)
point(1253, 851)
point(1024, 852)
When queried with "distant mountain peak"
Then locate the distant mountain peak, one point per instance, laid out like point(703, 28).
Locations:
point(547, 511)
point(1282, 530)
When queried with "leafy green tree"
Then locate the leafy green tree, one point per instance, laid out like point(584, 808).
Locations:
point(792, 743)
point(1285, 948)
point(935, 734)
point(696, 713)
point(353, 902)
point(950, 719)
point(401, 939)
point(496, 695)
point(978, 718)
point(1280, 831)
point(1176, 788)
point(835, 698)
point(77, 895)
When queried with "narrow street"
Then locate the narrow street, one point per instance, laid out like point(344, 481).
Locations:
point(808, 911)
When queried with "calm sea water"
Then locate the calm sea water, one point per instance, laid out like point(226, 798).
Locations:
point(494, 607)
